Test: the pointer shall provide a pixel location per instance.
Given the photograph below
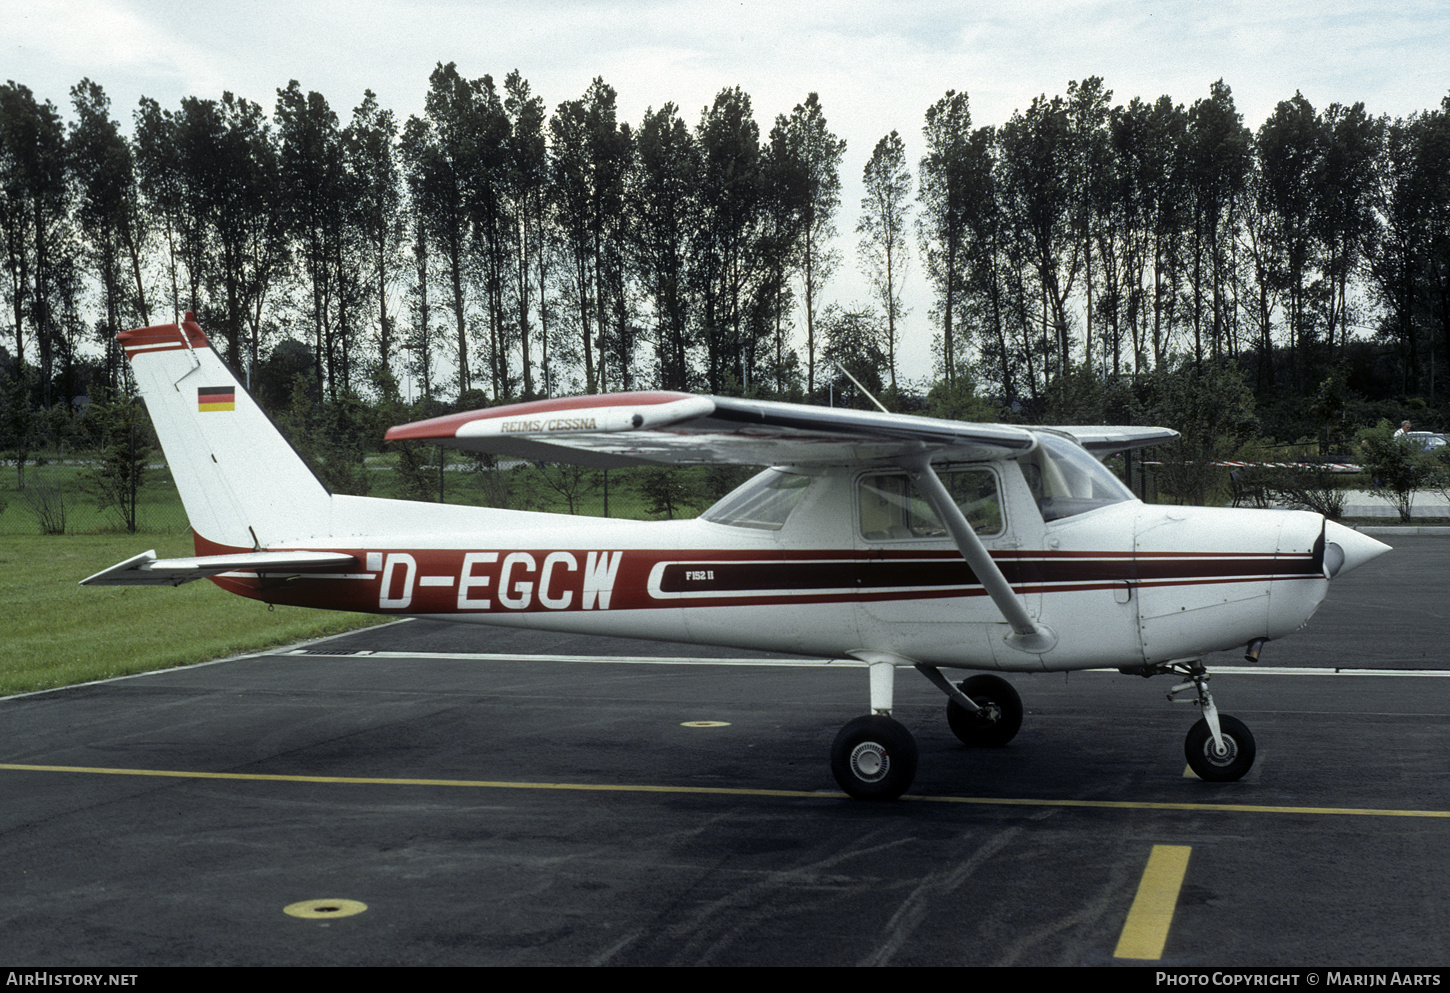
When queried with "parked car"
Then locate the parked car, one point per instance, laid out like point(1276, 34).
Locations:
point(1428, 440)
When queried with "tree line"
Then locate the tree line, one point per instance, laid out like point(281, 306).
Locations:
point(491, 249)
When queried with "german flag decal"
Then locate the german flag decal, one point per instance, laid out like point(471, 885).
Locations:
point(216, 398)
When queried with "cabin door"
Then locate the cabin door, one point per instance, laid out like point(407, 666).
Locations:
point(918, 596)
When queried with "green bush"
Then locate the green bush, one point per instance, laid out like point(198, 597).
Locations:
point(1399, 466)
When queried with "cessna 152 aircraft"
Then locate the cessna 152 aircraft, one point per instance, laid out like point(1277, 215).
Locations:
point(899, 541)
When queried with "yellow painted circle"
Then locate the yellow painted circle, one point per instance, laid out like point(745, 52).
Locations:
point(705, 724)
point(324, 908)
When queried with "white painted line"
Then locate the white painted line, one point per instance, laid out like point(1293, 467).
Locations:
point(809, 663)
point(606, 659)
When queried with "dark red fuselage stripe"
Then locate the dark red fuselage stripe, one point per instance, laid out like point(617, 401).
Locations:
point(740, 578)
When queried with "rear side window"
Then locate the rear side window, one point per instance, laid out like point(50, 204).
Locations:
point(891, 507)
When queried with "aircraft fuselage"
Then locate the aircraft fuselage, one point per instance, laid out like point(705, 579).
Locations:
point(1119, 585)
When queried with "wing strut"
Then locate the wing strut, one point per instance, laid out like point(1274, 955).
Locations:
point(1027, 635)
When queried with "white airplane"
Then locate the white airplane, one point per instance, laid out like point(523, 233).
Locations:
point(903, 542)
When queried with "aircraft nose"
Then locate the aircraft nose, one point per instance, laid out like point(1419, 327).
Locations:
point(1346, 549)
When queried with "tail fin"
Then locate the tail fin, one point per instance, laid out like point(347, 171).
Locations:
point(242, 484)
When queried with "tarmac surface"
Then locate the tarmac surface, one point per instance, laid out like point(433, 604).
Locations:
point(424, 796)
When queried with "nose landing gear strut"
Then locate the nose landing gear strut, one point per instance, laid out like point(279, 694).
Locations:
point(1219, 748)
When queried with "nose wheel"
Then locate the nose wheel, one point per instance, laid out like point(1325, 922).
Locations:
point(1224, 761)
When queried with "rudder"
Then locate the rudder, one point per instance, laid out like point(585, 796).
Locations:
point(241, 482)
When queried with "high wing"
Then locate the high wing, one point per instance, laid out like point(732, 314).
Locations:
point(147, 570)
point(663, 428)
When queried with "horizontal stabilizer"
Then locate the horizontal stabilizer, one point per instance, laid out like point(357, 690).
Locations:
point(1106, 440)
point(147, 570)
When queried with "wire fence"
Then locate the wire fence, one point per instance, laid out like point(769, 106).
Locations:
point(71, 491)
point(63, 495)
point(60, 488)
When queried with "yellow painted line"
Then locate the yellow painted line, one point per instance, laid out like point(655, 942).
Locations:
point(383, 781)
point(1225, 808)
point(1145, 932)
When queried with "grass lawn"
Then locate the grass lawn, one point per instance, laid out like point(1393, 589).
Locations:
point(54, 632)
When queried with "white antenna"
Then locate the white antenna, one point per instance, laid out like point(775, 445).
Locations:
point(842, 370)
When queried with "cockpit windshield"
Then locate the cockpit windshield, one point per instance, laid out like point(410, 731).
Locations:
point(763, 503)
point(1066, 480)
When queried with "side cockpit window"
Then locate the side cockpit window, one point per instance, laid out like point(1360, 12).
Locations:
point(891, 507)
point(1066, 480)
point(763, 503)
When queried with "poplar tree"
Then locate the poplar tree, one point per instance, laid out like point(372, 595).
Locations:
point(590, 159)
point(1218, 159)
point(37, 215)
point(527, 185)
point(371, 156)
point(945, 194)
point(247, 219)
point(1090, 166)
point(436, 150)
point(110, 220)
point(663, 201)
point(317, 204)
point(730, 204)
point(1290, 146)
point(1345, 221)
point(816, 153)
point(158, 178)
point(1036, 190)
point(882, 227)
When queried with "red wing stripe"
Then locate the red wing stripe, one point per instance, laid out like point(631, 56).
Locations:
point(447, 426)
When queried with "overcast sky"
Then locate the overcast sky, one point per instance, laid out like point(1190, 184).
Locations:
point(877, 67)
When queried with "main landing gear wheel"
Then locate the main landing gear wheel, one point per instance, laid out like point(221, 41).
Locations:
point(874, 758)
point(999, 719)
point(1205, 760)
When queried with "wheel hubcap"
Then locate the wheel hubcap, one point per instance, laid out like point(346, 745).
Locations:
point(1225, 757)
point(869, 762)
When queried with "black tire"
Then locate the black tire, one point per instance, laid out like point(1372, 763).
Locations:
point(999, 720)
point(874, 758)
point(1198, 747)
